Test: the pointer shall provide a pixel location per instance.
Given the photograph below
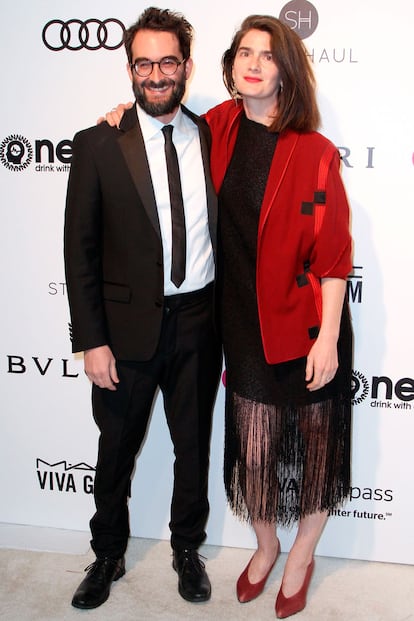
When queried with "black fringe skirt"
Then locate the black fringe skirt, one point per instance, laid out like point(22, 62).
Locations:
point(285, 462)
point(287, 450)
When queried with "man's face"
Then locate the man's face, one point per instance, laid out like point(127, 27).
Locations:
point(158, 95)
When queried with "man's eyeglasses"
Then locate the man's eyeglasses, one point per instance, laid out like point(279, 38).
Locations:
point(167, 65)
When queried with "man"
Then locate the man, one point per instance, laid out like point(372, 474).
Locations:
point(141, 321)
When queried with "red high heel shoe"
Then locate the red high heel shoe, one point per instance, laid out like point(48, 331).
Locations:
point(246, 591)
point(287, 606)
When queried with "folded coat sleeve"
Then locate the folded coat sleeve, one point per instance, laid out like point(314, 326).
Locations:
point(331, 255)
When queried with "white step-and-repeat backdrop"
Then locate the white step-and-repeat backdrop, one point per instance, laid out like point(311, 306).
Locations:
point(63, 66)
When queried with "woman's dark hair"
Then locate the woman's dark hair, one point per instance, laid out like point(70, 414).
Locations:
point(162, 20)
point(297, 107)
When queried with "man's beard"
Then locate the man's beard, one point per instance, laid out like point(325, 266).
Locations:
point(162, 107)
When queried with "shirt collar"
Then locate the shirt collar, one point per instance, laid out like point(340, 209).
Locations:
point(150, 126)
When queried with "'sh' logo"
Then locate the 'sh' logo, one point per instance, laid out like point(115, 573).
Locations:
point(301, 16)
point(91, 34)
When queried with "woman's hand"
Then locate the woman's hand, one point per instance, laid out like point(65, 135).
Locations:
point(114, 116)
point(322, 362)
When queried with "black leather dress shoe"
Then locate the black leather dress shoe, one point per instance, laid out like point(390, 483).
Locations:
point(94, 589)
point(193, 582)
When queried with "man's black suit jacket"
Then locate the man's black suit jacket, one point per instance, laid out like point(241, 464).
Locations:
point(112, 240)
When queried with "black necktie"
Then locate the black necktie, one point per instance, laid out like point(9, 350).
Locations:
point(177, 209)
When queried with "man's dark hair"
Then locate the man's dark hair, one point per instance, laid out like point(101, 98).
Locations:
point(162, 20)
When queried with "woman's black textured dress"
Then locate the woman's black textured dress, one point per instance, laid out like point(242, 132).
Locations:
point(287, 450)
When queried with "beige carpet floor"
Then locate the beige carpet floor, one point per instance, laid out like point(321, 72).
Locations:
point(38, 586)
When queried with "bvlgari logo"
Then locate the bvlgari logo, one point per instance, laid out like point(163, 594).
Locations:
point(301, 16)
point(40, 365)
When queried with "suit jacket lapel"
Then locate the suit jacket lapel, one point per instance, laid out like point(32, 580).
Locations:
point(132, 146)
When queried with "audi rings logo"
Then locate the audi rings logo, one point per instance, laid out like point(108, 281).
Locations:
point(91, 34)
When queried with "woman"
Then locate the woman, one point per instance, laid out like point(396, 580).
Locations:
point(285, 256)
point(285, 253)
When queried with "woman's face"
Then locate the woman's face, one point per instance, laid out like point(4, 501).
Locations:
point(255, 72)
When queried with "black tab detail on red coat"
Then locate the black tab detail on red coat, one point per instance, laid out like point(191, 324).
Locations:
point(307, 209)
point(319, 197)
point(302, 279)
point(313, 332)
